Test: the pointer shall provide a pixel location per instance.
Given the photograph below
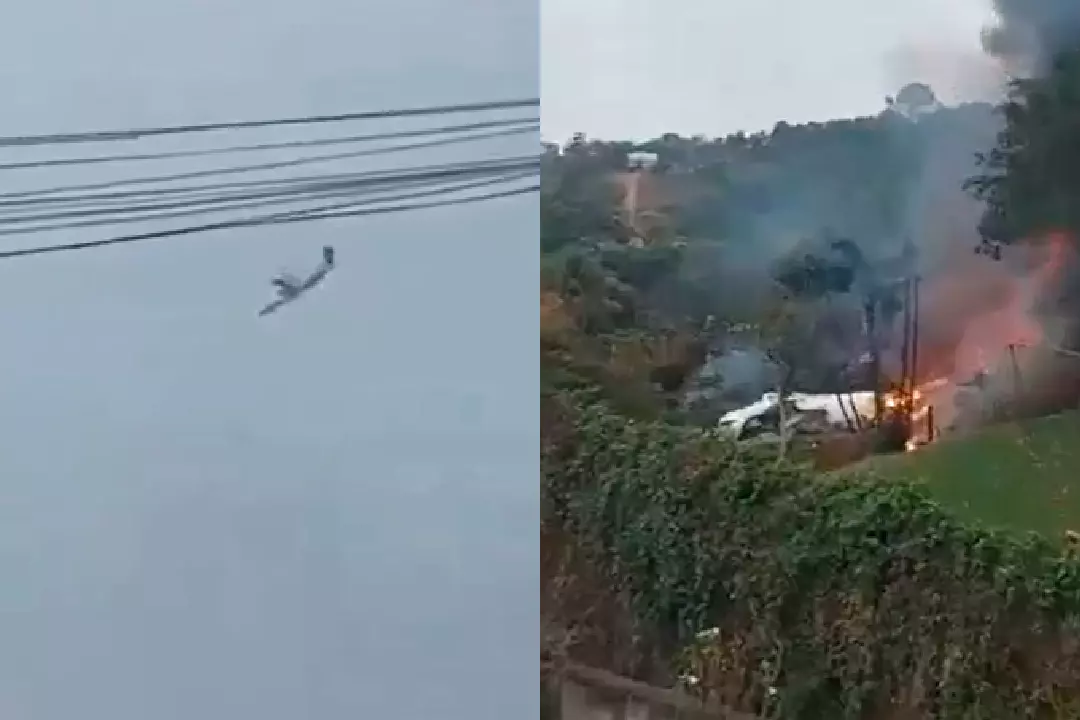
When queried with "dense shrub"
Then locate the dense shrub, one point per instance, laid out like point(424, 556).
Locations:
point(796, 597)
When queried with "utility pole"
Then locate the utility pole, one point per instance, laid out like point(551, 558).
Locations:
point(1018, 385)
point(870, 308)
point(910, 359)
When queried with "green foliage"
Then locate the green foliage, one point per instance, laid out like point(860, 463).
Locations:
point(815, 273)
point(644, 268)
point(1020, 476)
point(620, 329)
point(578, 201)
point(819, 599)
point(1030, 180)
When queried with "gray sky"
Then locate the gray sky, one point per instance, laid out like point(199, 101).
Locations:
point(636, 69)
point(327, 514)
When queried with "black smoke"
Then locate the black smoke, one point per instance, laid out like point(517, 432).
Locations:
point(1030, 33)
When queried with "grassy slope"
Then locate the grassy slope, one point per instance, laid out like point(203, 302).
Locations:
point(1020, 476)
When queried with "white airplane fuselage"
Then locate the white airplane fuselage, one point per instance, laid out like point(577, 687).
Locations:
point(838, 409)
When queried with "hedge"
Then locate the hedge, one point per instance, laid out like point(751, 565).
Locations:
point(794, 596)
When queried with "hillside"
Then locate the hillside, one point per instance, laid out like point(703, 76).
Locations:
point(905, 586)
point(1019, 476)
point(875, 177)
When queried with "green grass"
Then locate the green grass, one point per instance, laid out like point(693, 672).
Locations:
point(1018, 476)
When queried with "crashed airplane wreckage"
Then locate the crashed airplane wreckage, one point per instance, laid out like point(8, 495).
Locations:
point(814, 414)
point(805, 414)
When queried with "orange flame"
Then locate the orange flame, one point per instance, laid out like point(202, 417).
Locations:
point(976, 315)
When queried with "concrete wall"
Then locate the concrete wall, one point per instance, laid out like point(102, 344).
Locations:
point(592, 694)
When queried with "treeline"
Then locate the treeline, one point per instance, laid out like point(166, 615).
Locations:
point(868, 178)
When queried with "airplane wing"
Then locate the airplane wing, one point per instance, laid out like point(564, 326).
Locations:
point(315, 278)
point(287, 281)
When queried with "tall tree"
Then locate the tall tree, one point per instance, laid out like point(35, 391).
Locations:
point(1030, 181)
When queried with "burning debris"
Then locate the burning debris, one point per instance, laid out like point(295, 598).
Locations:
point(991, 344)
point(983, 352)
point(813, 414)
point(806, 414)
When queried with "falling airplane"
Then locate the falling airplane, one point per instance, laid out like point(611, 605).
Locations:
point(289, 287)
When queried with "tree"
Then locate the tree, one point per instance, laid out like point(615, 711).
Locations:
point(914, 99)
point(786, 334)
point(838, 266)
point(1030, 180)
point(578, 202)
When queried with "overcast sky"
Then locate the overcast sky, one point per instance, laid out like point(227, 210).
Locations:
point(636, 69)
point(325, 514)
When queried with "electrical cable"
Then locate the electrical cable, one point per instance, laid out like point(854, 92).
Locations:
point(330, 192)
point(334, 210)
point(208, 203)
point(342, 210)
point(153, 211)
point(349, 184)
point(388, 175)
point(271, 165)
point(137, 133)
point(320, 142)
point(259, 221)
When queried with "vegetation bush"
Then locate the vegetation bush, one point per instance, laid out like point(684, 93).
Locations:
point(793, 596)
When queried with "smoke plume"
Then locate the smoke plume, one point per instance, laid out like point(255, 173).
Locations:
point(1029, 33)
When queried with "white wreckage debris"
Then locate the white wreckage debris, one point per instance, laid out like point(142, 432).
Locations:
point(806, 412)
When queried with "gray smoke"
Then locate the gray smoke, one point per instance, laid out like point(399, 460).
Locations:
point(1030, 33)
point(914, 192)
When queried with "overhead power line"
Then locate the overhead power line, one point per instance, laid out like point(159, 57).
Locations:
point(259, 167)
point(137, 133)
point(346, 209)
point(349, 189)
point(274, 219)
point(150, 213)
point(135, 199)
point(256, 147)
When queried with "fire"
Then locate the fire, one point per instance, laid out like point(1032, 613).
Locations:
point(976, 317)
point(975, 313)
point(895, 399)
point(918, 412)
